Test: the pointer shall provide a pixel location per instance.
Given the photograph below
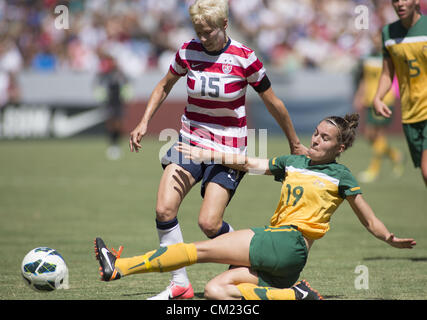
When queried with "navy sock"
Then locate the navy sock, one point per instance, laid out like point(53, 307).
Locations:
point(224, 229)
point(166, 224)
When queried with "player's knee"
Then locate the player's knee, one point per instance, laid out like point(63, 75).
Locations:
point(214, 290)
point(209, 227)
point(165, 212)
point(221, 288)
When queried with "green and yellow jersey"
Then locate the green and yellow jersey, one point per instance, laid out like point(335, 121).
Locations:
point(408, 50)
point(310, 193)
point(372, 67)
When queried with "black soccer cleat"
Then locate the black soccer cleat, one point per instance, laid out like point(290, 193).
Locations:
point(303, 291)
point(107, 259)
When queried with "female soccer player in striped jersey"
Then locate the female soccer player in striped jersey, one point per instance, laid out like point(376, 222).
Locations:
point(218, 70)
point(270, 259)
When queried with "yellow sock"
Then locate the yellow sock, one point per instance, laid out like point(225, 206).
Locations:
point(375, 165)
point(164, 259)
point(394, 155)
point(380, 147)
point(251, 291)
point(281, 294)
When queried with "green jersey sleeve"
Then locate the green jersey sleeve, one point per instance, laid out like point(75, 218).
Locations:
point(348, 185)
point(277, 166)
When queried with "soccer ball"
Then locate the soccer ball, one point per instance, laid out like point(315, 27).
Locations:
point(44, 269)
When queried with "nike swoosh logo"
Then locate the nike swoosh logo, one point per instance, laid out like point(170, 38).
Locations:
point(156, 254)
point(231, 178)
point(304, 293)
point(195, 65)
point(66, 126)
point(105, 253)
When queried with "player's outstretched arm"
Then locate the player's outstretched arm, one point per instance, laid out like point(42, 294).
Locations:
point(235, 161)
point(367, 217)
point(277, 109)
point(157, 97)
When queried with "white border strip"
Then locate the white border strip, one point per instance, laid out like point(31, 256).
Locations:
point(313, 173)
point(392, 42)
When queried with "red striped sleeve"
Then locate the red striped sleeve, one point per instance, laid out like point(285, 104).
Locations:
point(179, 61)
point(238, 51)
point(171, 69)
point(254, 67)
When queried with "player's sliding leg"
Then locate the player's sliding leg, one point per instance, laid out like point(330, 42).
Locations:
point(242, 283)
point(223, 286)
point(164, 259)
point(301, 291)
point(229, 248)
point(250, 291)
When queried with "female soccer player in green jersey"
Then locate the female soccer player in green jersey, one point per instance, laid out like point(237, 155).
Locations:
point(269, 260)
point(405, 53)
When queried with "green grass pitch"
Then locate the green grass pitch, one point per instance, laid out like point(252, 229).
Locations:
point(64, 193)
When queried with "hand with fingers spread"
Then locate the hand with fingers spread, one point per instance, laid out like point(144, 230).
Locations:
point(382, 109)
point(400, 243)
point(193, 153)
point(136, 136)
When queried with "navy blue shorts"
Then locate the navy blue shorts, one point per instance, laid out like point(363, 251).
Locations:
point(205, 172)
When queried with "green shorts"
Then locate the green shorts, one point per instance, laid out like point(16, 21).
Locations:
point(373, 119)
point(278, 255)
point(416, 136)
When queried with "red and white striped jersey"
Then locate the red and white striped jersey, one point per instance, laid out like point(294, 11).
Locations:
point(215, 115)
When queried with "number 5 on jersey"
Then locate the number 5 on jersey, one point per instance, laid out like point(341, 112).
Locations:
point(414, 69)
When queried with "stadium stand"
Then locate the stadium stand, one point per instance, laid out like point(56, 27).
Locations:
point(293, 38)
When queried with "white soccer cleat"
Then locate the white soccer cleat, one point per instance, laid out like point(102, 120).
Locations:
point(174, 291)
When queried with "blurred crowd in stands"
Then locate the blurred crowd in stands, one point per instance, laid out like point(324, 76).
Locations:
point(144, 35)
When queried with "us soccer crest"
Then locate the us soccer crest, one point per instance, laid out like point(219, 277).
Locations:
point(227, 67)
